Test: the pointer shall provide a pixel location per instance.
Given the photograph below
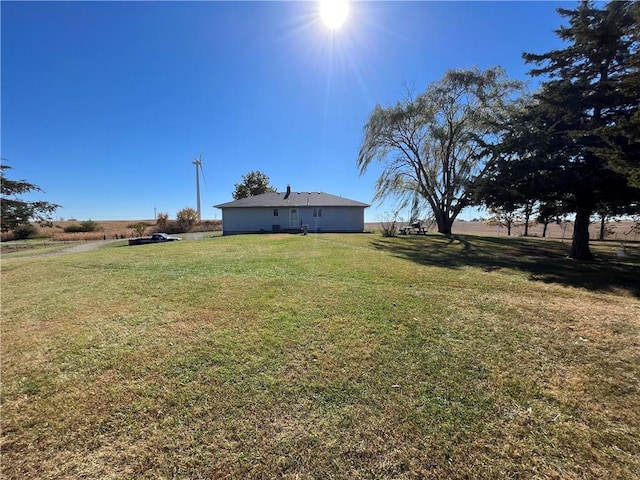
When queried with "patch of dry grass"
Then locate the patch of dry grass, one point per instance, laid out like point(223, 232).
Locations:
point(321, 356)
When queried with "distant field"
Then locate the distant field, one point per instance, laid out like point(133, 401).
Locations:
point(322, 357)
point(108, 229)
point(621, 231)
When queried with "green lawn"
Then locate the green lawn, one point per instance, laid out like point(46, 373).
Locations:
point(25, 248)
point(322, 357)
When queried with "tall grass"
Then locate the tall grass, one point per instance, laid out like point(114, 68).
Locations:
point(322, 356)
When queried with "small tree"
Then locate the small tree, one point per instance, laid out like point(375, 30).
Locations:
point(503, 217)
point(162, 220)
point(139, 228)
point(253, 183)
point(187, 218)
point(549, 212)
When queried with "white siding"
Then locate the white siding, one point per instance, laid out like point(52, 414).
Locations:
point(255, 220)
point(249, 220)
point(334, 219)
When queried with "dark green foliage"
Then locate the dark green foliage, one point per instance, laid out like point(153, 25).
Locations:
point(22, 232)
point(77, 228)
point(560, 148)
point(549, 212)
point(83, 227)
point(17, 212)
point(507, 187)
point(253, 183)
point(90, 226)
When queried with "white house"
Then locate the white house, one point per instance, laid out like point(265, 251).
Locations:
point(290, 211)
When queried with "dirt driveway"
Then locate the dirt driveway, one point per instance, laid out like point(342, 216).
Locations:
point(86, 247)
point(74, 248)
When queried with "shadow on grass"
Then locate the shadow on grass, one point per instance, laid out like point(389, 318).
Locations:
point(544, 260)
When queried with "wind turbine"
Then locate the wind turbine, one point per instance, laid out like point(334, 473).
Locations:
point(198, 163)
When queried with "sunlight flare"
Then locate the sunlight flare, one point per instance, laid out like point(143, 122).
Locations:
point(334, 12)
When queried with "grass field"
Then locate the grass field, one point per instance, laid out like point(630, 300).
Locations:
point(322, 357)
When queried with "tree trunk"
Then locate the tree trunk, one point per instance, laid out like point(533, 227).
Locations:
point(444, 222)
point(602, 225)
point(580, 244)
point(527, 216)
point(544, 229)
point(445, 229)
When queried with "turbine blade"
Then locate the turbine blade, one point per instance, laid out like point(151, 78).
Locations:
point(204, 180)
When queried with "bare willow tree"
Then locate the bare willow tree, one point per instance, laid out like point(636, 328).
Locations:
point(438, 143)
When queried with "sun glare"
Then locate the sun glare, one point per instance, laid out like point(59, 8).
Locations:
point(334, 12)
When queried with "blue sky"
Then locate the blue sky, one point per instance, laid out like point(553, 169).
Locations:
point(105, 104)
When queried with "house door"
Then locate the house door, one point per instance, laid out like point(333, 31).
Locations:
point(293, 218)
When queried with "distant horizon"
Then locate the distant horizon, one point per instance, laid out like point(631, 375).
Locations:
point(618, 230)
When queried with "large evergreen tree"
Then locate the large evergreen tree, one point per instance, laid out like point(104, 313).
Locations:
point(253, 183)
point(574, 128)
point(622, 137)
point(17, 212)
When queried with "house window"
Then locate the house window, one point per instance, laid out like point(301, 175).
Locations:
point(317, 212)
point(275, 212)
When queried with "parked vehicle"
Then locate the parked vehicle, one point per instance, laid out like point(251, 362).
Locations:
point(163, 237)
point(155, 238)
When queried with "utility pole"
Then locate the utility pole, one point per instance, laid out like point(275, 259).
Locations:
point(198, 163)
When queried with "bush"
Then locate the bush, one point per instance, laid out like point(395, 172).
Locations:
point(174, 226)
point(90, 226)
point(139, 228)
point(86, 226)
point(22, 232)
point(162, 220)
point(389, 224)
point(186, 222)
point(208, 226)
point(187, 215)
point(73, 228)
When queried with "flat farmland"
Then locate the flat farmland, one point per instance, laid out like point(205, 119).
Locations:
point(615, 230)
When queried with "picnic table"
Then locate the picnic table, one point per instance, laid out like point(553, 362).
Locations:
point(415, 228)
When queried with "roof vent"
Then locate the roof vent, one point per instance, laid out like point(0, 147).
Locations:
point(286, 195)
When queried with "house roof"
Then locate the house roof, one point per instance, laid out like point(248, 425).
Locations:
point(294, 199)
